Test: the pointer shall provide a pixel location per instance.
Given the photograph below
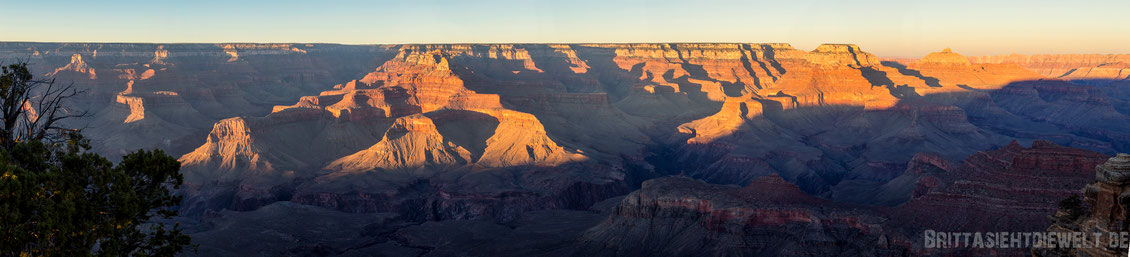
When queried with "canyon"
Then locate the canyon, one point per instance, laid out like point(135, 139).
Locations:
point(598, 149)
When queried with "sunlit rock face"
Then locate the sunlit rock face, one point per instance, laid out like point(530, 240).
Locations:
point(1069, 66)
point(168, 96)
point(493, 131)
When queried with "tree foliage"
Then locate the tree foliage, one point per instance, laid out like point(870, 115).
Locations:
point(58, 199)
point(1073, 207)
point(30, 108)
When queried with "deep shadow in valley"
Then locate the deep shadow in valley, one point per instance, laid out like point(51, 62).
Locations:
point(930, 81)
point(817, 148)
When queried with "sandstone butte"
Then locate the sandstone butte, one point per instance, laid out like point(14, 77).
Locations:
point(456, 132)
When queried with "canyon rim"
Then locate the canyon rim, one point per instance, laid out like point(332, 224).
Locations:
point(565, 128)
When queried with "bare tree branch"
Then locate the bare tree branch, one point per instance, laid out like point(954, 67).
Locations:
point(32, 109)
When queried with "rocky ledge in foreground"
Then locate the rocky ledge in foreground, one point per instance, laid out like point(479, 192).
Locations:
point(1105, 211)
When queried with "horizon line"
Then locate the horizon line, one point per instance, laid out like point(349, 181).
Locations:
point(516, 43)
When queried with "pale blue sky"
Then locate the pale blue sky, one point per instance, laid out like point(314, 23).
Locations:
point(884, 27)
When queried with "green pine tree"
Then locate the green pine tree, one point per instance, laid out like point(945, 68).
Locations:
point(58, 199)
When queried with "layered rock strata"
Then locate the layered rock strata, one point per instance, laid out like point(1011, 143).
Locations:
point(771, 217)
point(1105, 213)
point(495, 129)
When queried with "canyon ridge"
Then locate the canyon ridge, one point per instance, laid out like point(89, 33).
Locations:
point(682, 149)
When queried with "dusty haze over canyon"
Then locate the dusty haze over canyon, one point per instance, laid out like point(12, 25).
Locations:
point(884, 27)
point(719, 149)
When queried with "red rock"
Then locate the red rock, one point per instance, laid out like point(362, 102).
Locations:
point(774, 216)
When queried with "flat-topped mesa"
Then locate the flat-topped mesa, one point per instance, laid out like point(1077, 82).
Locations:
point(779, 51)
point(234, 49)
point(841, 54)
point(275, 48)
point(411, 123)
point(945, 57)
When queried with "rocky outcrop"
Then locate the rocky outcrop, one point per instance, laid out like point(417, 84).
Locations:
point(771, 217)
point(1105, 212)
point(462, 131)
point(678, 216)
point(169, 96)
point(76, 65)
point(1022, 183)
point(468, 154)
point(529, 91)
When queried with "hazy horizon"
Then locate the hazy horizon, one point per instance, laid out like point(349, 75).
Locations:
point(883, 27)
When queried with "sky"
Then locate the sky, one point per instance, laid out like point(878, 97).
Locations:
point(888, 28)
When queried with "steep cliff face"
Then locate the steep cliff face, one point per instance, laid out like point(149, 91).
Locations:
point(772, 217)
point(1068, 66)
point(940, 104)
point(403, 137)
point(76, 65)
point(411, 142)
point(442, 132)
point(1022, 183)
point(946, 70)
point(167, 96)
point(841, 54)
point(1101, 210)
point(543, 105)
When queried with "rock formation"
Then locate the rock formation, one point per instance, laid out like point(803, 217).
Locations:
point(1069, 66)
point(76, 65)
point(945, 57)
point(1105, 212)
point(772, 217)
point(486, 133)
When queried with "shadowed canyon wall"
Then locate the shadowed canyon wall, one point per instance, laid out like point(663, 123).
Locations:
point(503, 132)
